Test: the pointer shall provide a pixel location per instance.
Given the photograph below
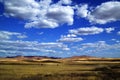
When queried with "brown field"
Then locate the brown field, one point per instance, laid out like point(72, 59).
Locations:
point(74, 68)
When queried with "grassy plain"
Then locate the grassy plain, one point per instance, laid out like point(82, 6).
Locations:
point(59, 69)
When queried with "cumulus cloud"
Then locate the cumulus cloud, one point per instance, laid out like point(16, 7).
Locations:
point(70, 38)
point(19, 9)
point(106, 12)
point(61, 14)
point(65, 2)
point(69, 35)
point(9, 35)
point(110, 29)
point(40, 14)
point(46, 14)
point(82, 10)
point(90, 30)
point(86, 31)
point(77, 39)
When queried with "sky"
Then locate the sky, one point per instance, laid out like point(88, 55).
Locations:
point(60, 28)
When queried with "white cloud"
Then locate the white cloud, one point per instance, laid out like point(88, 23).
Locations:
point(110, 29)
point(68, 39)
point(66, 49)
point(9, 35)
point(19, 47)
point(41, 14)
point(68, 36)
point(53, 45)
point(4, 36)
point(40, 33)
point(42, 24)
point(118, 32)
point(48, 51)
point(29, 47)
point(113, 39)
point(46, 14)
point(118, 41)
point(65, 2)
point(91, 30)
point(87, 31)
point(100, 46)
point(61, 14)
point(82, 10)
point(106, 12)
point(21, 36)
point(19, 9)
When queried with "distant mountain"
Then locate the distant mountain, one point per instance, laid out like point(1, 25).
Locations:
point(34, 57)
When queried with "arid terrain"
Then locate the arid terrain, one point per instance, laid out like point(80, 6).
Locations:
point(50, 68)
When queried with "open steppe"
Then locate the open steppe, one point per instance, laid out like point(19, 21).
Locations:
point(47, 68)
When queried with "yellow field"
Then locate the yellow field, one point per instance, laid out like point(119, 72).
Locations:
point(57, 69)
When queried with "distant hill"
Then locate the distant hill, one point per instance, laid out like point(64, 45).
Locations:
point(73, 58)
point(34, 57)
point(41, 58)
point(83, 56)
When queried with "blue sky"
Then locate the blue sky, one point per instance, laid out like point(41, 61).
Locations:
point(60, 28)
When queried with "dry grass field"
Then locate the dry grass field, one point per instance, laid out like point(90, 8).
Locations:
point(75, 68)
